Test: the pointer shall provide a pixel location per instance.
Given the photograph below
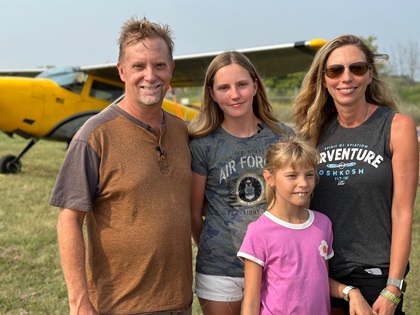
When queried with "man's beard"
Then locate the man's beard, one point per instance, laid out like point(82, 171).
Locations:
point(148, 98)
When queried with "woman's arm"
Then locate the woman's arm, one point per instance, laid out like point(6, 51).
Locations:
point(252, 288)
point(197, 204)
point(358, 304)
point(405, 165)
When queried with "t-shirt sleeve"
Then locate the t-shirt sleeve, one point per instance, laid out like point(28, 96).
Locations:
point(287, 130)
point(199, 160)
point(78, 180)
point(252, 247)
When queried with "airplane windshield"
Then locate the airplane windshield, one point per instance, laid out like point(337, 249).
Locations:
point(67, 77)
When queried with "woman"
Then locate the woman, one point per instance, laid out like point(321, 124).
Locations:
point(368, 170)
point(230, 137)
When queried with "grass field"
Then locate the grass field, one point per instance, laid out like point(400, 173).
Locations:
point(31, 280)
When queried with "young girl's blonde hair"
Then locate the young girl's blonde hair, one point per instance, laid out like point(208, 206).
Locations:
point(293, 150)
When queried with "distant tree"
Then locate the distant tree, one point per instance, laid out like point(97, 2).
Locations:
point(288, 81)
point(405, 61)
point(412, 59)
point(369, 42)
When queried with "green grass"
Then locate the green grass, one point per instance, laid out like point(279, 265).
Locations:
point(31, 280)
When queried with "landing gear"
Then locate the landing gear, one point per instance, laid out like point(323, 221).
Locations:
point(10, 164)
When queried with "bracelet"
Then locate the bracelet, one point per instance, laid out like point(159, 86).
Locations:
point(400, 284)
point(346, 292)
point(390, 296)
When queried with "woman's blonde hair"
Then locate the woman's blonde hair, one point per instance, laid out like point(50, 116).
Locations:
point(314, 106)
point(211, 116)
point(293, 150)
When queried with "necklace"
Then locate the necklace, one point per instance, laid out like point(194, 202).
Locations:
point(367, 115)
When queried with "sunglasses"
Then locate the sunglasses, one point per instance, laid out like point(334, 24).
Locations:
point(357, 68)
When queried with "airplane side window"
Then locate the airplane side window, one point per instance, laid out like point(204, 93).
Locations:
point(66, 77)
point(105, 91)
point(74, 87)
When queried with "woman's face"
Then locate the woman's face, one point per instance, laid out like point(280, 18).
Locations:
point(234, 90)
point(348, 88)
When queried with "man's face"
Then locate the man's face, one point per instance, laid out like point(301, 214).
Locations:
point(146, 70)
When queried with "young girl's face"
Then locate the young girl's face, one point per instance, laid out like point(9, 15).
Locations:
point(293, 186)
point(234, 90)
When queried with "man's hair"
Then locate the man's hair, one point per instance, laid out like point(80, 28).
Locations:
point(134, 31)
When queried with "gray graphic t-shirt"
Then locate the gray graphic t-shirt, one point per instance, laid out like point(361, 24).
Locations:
point(235, 192)
point(355, 191)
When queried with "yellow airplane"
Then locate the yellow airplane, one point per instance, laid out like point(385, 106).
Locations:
point(53, 103)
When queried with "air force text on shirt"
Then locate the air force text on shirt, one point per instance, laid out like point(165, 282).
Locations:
point(246, 161)
point(341, 157)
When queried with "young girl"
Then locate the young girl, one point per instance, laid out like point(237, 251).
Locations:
point(286, 250)
point(230, 138)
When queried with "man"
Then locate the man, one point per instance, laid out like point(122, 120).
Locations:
point(127, 173)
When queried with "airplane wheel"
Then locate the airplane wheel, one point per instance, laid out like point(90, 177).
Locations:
point(9, 165)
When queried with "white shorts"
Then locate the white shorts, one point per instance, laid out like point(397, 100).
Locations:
point(219, 288)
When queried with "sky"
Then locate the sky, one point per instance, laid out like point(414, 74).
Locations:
point(39, 33)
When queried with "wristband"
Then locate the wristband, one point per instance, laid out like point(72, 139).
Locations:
point(400, 284)
point(390, 296)
point(346, 292)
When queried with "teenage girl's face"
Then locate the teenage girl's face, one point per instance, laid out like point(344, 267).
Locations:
point(293, 186)
point(349, 88)
point(234, 90)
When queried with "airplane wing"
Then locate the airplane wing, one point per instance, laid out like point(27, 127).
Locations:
point(30, 73)
point(190, 69)
point(269, 61)
point(107, 70)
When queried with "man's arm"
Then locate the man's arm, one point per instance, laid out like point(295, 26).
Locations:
point(72, 253)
